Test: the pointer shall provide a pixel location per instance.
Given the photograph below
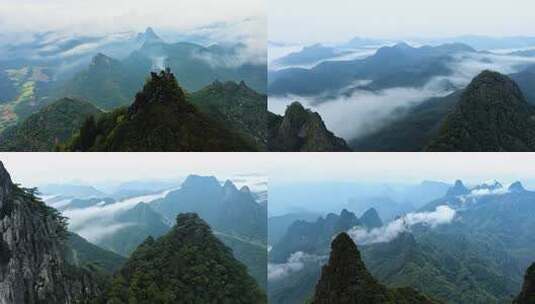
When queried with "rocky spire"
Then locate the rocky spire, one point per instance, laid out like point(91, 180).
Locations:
point(527, 295)
point(516, 187)
point(345, 279)
point(458, 189)
point(5, 184)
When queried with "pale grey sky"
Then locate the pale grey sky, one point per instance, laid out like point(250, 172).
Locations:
point(118, 15)
point(40, 168)
point(401, 167)
point(33, 169)
point(305, 21)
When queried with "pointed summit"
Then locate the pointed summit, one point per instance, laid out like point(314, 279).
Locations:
point(149, 36)
point(203, 266)
point(302, 130)
point(345, 280)
point(491, 115)
point(516, 187)
point(370, 219)
point(458, 189)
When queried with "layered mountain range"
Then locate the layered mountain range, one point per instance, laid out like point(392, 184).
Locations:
point(478, 257)
point(160, 119)
point(109, 84)
point(43, 262)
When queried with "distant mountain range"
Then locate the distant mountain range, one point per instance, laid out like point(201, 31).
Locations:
point(488, 242)
point(185, 262)
point(109, 72)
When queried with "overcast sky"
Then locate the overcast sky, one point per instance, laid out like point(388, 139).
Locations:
point(306, 21)
point(40, 168)
point(402, 167)
point(33, 169)
point(118, 15)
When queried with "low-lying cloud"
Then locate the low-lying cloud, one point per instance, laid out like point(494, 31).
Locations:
point(98, 221)
point(296, 262)
point(387, 233)
point(363, 111)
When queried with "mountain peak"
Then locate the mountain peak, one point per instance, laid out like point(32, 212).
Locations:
point(458, 189)
point(161, 88)
point(345, 276)
point(197, 181)
point(516, 187)
point(229, 187)
point(491, 115)
point(301, 129)
point(101, 60)
point(149, 36)
point(371, 219)
point(5, 183)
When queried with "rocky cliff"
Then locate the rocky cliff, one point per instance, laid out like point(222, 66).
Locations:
point(33, 267)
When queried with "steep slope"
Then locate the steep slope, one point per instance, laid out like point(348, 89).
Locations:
point(492, 115)
point(312, 237)
point(226, 208)
point(370, 219)
point(138, 223)
point(527, 296)
point(301, 130)
point(189, 264)
point(411, 131)
point(85, 253)
point(50, 126)
point(160, 119)
point(32, 252)
point(237, 219)
point(345, 279)
point(236, 106)
point(106, 82)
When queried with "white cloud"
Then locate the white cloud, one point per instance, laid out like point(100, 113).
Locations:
point(296, 262)
point(387, 233)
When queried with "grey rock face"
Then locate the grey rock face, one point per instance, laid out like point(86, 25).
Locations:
point(32, 263)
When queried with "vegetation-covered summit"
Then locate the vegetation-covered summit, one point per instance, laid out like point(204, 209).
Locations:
point(345, 280)
point(491, 115)
point(187, 265)
point(47, 128)
point(160, 119)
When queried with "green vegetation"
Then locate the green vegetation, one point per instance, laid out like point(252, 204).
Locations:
point(50, 126)
point(492, 115)
point(237, 107)
point(345, 280)
point(160, 119)
point(187, 265)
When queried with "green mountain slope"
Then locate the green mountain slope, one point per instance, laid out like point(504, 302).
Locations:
point(84, 253)
point(301, 130)
point(160, 119)
point(492, 115)
point(236, 106)
point(50, 126)
point(187, 265)
point(345, 280)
